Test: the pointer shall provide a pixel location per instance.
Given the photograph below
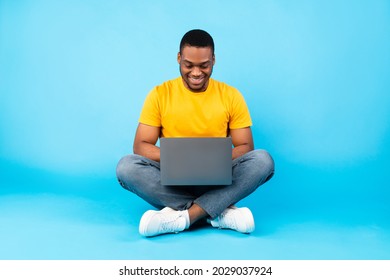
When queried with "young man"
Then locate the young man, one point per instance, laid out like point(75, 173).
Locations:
point(194, 105)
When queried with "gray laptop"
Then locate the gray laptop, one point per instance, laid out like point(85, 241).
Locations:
point(196, 161)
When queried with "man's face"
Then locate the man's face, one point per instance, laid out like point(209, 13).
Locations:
point(196, 66)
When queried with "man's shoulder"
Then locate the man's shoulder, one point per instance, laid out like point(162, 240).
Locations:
point(166, 85)
point(223, 86)
point(162, 90)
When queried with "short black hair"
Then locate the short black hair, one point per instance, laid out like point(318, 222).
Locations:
point(197, 38)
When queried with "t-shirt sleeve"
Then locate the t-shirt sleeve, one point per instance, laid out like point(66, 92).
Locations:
point(240, 116)
point(150, 114)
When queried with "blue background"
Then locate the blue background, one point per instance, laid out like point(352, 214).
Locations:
point(73, 77)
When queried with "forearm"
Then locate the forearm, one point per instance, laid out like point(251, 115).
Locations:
point(147, 150)
point(241, 150)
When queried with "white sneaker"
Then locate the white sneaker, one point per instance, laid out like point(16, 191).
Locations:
point(239, 219)
point(166, 220)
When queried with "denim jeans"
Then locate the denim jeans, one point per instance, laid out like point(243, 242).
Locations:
point(141, 176)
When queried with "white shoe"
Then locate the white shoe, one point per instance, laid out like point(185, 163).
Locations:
point(166, 220)
point(239, 219)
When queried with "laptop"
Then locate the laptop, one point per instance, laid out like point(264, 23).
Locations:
point(196, 161)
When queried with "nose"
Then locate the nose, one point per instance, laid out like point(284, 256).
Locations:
point(196, 71)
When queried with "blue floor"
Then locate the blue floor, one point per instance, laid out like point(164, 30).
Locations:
point(74, 76)
point(50, 216)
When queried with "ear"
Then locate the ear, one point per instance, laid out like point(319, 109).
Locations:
point(178, 57)
point(213, 59)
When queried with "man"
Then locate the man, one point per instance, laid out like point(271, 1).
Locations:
point(194, 105)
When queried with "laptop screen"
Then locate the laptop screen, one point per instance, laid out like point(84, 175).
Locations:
point(196, 161)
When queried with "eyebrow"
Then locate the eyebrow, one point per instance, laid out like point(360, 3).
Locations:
point(204, 62)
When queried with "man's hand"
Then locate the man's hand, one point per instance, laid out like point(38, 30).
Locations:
point(146, 138)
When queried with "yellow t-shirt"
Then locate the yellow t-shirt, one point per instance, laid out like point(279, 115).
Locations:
point(183, 113)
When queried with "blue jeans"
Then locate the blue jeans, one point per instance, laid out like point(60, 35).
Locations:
point(141, 176)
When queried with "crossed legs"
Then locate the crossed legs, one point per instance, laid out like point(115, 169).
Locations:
point(142, 177)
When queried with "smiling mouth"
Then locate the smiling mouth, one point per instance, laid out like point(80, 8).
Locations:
point(197, 80)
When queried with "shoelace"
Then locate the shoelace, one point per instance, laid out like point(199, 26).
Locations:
point(226, 220)
point(170, 223)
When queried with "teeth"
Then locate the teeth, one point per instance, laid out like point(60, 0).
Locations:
point(196, 79)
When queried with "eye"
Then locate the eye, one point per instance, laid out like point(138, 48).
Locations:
point(205, 65)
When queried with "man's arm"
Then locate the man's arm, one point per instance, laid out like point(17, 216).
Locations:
point(145, 142)
point(242, 141)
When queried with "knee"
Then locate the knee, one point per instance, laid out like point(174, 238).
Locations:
point(125, 166)
point(122, 166)
point(264, 161)
point(125, 171)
